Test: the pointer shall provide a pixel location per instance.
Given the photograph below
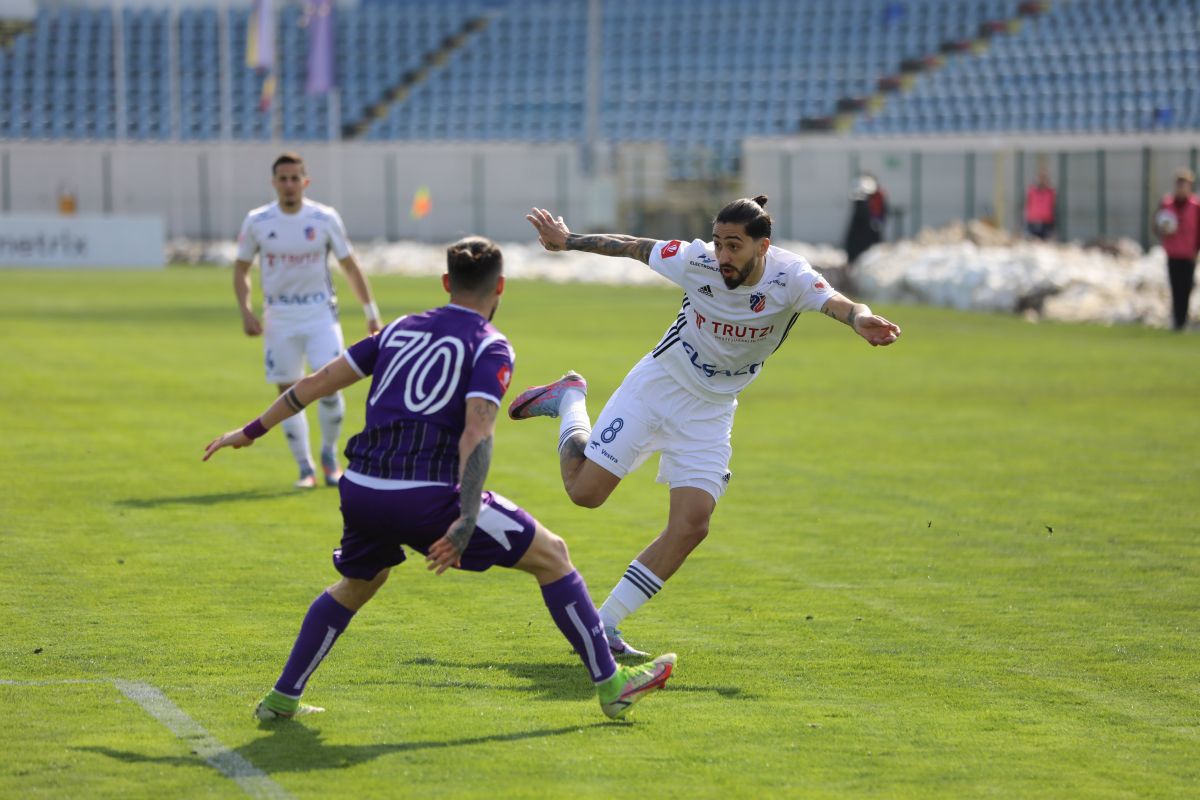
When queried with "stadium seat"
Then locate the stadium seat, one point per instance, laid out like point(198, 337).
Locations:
point(697, 74)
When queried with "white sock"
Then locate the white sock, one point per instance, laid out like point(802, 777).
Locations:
point(636, 586)
point(330, 411)
point(295, 428)
point(573, 417)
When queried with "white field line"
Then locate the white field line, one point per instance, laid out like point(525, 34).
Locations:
point(252, 780)
point(229, 763)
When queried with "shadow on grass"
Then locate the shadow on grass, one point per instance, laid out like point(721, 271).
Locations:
point(294, 747)
point(207, 499)
point(548, 681)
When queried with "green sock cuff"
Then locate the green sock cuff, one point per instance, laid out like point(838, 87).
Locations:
point(281, 702)
point(609, 689)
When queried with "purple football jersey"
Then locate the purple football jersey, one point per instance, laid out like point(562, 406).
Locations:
point(423, 367)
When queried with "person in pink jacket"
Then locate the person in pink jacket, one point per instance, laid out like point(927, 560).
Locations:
point(1040, 204)
point(1177, 223)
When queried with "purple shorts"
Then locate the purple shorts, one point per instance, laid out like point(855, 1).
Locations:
point(376, 522)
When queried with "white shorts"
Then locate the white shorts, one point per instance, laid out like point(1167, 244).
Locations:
point(287, 342)
point(651, 411)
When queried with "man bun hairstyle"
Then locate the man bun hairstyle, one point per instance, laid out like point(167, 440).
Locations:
point(474, 264)
point(290, 157)
point(748, 212)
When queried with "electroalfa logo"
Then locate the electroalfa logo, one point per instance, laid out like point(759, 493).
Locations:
point(43, 246)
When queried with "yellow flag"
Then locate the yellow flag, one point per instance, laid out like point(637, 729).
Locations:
point(422, 203)
point(268, 93)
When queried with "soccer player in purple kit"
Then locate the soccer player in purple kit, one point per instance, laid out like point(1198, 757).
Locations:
point(415, 478)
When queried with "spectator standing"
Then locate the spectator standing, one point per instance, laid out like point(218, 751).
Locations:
point(1177, 223)
point(1040, 204)
point(868, 218)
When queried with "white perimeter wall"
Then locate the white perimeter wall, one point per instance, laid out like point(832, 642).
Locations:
point(203, 191)
point(809, 180)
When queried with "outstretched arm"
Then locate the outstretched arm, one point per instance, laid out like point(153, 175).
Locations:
point(334, 376)
point(555, 236)
point(475, 458)
point(872, 327)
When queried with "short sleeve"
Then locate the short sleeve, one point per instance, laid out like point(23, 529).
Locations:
point(363, 354)
point(670, 259)
point(812, 290)
point(492, 372)
point(247, 245)
point(339, 242)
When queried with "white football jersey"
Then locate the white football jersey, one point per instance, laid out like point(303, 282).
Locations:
point(721, 337)
point(292, 256)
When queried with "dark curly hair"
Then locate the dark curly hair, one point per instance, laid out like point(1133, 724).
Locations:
point(750, 213)
point(474, 264)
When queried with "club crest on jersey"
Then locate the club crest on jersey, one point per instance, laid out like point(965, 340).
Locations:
point(670, 248)
point(706, 290)
point(310, 233)
point(758, 301)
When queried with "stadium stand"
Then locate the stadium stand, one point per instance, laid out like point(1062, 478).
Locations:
point(1096, 66)
point(700, 75)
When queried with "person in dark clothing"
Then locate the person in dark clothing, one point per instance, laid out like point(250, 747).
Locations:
point(868, 218)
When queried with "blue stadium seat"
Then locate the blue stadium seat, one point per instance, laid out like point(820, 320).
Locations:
point(697, 74)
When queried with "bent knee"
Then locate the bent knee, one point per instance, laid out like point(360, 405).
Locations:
point(693, 532)
point(587, 496)
point(548, 557)
point(556, 550)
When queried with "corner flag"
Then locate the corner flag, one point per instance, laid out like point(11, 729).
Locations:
point(422, 203)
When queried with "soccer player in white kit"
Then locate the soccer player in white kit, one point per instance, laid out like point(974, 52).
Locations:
point(741, 297)
point(292, 237)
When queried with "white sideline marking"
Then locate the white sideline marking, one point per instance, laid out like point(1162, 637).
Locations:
point(232, 765)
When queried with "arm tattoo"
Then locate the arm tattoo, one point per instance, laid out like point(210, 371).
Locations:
point(470, 491)
point(292, 400)
point(851, 315)
point(612, 244)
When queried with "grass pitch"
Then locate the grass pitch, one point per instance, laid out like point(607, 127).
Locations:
point(964, 566)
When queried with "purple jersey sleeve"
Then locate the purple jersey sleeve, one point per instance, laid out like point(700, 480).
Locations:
point(492, 372)
point(363, 354)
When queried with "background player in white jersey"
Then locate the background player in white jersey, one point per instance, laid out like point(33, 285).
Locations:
point(293, 236)
point(741, 298)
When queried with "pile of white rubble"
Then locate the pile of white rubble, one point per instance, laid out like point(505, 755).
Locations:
point(961, 266)
point(974, 267)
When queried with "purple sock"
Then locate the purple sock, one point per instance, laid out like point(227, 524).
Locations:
point(323, 624)
point(573, 613)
